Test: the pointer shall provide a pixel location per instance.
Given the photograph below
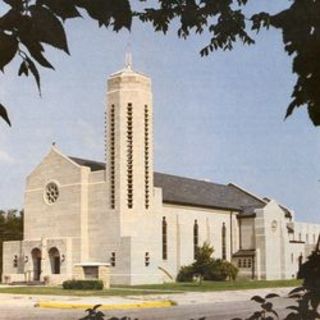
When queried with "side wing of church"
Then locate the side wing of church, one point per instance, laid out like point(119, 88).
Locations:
point(84, 219)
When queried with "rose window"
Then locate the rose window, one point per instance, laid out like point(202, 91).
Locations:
point(51, 193)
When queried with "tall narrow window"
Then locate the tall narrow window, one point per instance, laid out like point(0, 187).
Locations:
point(146, 156)
point(195, 238)
point(129, 156)
point(164, 239)
point(112, 158)
point(224, 242)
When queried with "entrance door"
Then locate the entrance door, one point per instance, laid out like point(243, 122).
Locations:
point(36, 258)
point(55, 261)
point(56, 269)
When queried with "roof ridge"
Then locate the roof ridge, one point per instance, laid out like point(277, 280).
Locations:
point(247, 192)
point(193, 179)
point(77, 158)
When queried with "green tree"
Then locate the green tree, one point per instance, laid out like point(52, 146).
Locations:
point(11, 228)
point(204, 260)
point(28, 25)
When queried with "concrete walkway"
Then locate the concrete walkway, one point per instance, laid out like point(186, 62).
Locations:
point(136, 302)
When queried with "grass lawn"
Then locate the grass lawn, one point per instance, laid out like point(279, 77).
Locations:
point(156, 288)
point(61, 292)
point(220, 285)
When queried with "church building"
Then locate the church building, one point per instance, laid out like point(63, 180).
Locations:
point(86, 219)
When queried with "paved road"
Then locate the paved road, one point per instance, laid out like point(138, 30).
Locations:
point(213, 311)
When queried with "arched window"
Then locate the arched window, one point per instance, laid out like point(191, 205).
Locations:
point(164, 239)
point(54, 257)
point(224, 241)
point(195, 238)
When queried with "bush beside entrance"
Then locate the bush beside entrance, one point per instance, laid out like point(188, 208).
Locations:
point(83, 285)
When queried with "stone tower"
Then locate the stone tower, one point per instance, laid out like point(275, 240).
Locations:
point(129, 149)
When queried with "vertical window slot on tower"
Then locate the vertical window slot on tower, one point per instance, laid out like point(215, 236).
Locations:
point(112, 157)
point(146, 156)
point(129, 156)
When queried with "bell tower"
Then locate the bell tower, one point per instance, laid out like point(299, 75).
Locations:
point(129, 147)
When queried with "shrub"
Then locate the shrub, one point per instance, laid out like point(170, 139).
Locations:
point(207, 268)
point(185, 274)
point(83, 285)
point(221, 270)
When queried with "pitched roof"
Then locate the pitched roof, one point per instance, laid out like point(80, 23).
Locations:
point(286, 211)
point(192, 192)
point(93, 165)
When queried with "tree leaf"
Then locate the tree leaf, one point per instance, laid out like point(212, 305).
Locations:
point(271, 295)
point(267, 306)
point(28, 35)
point(48, 28)
point(295, 308)
point(258, 299)
point(10, 20)
point(16, 4)
point(33, 69)
point(23, 69)
point(314, 113)
point(4, 114)
point(65, 9)
point(106, 12)
point(8, 49)
point(295, 290)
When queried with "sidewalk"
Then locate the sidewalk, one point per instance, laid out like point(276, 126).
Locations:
point(134, 302)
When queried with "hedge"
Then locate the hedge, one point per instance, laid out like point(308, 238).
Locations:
point(83, 285)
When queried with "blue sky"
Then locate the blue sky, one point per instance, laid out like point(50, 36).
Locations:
point(218, 118)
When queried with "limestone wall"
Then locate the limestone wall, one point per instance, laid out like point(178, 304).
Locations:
point(59, 219)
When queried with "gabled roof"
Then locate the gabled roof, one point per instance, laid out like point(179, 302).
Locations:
point(287, 212)
point(93, 165)
point(192, 192)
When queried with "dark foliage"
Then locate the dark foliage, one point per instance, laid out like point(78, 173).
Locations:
point(221, 270)
point(30, 24)
point(95, 314)
point(11, 228)
point(306, 297)
point(226, 23)
point(206, 267)
point(83, 285)
point(185, 274)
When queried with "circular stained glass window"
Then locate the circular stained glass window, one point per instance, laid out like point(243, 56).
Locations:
point(51, 193)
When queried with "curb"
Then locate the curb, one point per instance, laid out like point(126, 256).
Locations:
point(121, 306)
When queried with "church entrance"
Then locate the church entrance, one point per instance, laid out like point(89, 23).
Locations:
point(54, 257)
point(36, 259)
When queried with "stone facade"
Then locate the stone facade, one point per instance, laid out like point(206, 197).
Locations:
point(125, 224)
